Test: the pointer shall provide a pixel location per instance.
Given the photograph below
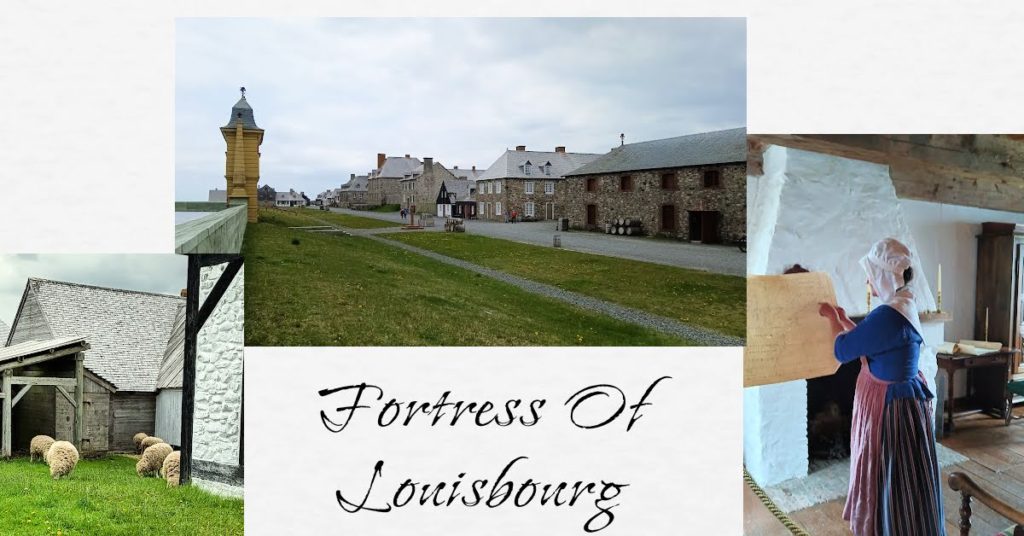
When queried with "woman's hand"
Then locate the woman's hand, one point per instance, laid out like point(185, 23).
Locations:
point(828, 310)
point(844, 319)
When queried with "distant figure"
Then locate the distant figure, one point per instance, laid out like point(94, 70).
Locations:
point(514, 214)
point(402, 212)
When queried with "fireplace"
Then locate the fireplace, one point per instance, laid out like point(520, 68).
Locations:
point(830, 414)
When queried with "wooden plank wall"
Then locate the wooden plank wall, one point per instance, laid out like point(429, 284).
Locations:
point(96, 429)
point(34, 415)
point(130, 413)
point(168, 416)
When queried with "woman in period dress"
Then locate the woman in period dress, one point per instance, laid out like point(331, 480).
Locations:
point(895, 484)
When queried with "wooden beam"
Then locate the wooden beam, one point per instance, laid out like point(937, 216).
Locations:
point(984, 171)
point(21, 393)
point(188, 374)
point(218, 290)
point(33, 380)
point(41, 358)
point(5, 429)
point(78, 427)
point(69, 398)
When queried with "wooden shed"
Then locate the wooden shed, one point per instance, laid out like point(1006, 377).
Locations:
point(49, 369)
point(128, 332)
point(168, 385)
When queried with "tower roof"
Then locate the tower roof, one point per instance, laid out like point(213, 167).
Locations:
point(241, 111)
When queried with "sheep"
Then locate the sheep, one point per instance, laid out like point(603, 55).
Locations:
point(152, 459)
point(149, 441)
point(62, 457)
point(138, 441)
point(172, 469)
point(38, 446)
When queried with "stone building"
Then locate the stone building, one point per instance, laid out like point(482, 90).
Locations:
point(691, 187)
point(421, 187)
point(382, 187)
point(528, 182)
point(352, 194)
point(242, 163)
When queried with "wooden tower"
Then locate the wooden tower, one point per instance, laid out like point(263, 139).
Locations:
point(242, 166)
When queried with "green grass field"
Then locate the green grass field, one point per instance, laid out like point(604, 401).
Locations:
point(106, 497)
point(714, 301)
point(336, 290)
point(345, 220)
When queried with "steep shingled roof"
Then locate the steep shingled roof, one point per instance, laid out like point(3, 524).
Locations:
point(398, 166)
point(358, 184)
point(4, 330)
point(173, 365)
point(128, 330)
point(241, 111)
point(511, 164)
point(719, 147)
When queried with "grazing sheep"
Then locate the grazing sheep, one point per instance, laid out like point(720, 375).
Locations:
point(62, 457)
point(149, 441)
point(152, 459)
point(138, 441)
point(172, 469)
point(38, 446)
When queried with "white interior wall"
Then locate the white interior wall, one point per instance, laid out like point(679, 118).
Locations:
point(822, 212)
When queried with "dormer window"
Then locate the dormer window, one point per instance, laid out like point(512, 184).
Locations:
point(526, 167)
point(547, 168)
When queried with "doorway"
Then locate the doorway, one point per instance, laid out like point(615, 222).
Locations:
point(704, 226)
point(591, 216)
point(668, 218)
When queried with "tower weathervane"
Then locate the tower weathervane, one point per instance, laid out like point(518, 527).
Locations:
point(242, 89)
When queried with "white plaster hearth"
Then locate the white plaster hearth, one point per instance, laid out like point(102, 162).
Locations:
point(822, 212)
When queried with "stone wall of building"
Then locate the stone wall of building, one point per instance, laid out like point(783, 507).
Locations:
point(647, 197)
point(217, 422)
point(513, 196)
point(383, 191)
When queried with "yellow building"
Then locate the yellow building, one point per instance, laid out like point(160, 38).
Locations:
point(242, 167)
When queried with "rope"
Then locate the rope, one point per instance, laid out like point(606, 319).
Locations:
point(787, 521)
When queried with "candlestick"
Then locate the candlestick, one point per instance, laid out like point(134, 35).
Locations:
point(939, 284)
point(869, 297)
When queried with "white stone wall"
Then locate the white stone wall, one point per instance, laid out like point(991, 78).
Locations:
point(217, 426)
point(822, 212)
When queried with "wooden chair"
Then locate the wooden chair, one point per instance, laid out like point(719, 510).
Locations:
point(968, 488)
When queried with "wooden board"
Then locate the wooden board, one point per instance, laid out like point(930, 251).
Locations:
point(786, 337)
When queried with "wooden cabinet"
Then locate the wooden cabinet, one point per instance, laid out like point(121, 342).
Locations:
point(1000, 283)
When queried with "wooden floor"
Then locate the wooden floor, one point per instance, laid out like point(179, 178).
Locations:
point(996, 462)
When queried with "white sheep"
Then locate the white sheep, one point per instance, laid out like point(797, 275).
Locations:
point(152, 459)
point(62, 457)
point(137, 439)
point(149, 441)
point(38, 447)
point(172, 469)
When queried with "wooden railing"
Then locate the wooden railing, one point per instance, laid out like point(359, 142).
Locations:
point(969, 489)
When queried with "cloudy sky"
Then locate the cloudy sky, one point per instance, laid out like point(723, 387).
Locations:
point(152, 273)
point(332, 93)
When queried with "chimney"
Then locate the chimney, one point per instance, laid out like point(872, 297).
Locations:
point(474, 168)
point(428, 163)
point(184, 293)
point(407, 156)
point(520, 148)
point(381, 157)
point(456, 167)
point(560, 149)
point(352, 177)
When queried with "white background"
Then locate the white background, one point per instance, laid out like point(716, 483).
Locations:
point(86, 165)
point(682, 458)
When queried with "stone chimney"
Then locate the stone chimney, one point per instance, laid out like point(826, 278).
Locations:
point(407, 156)
point(428, 164)
point(560, 149)
point(456, 167)
point(474, 168)
point(352, 177)
point(381, 157)
point(520, 148)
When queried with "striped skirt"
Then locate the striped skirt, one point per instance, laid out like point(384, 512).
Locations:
point(895, 484)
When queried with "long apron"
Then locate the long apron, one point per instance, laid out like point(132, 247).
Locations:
point(895, 484)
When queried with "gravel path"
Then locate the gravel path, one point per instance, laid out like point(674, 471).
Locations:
point(711, 258)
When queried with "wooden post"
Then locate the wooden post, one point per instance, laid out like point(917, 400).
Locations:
point(188, 375)
point(6, 430)
point(78, 425)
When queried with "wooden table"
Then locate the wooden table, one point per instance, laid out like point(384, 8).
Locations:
point(991, 372)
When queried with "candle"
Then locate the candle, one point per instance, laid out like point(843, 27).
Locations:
point(869, 297)
point(939, 284)
point(986, 324)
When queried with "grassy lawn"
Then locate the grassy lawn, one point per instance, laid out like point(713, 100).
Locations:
point(105, 496)
point(346, 220)
point(713, 301)
point(336, 290)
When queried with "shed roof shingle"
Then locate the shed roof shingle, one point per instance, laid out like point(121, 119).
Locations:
point(4, 330)
point(719, 147)
point(128, 330)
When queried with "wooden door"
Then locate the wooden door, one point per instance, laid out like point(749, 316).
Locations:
point(709, 227)
point(591, 215)
point(695, 226)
